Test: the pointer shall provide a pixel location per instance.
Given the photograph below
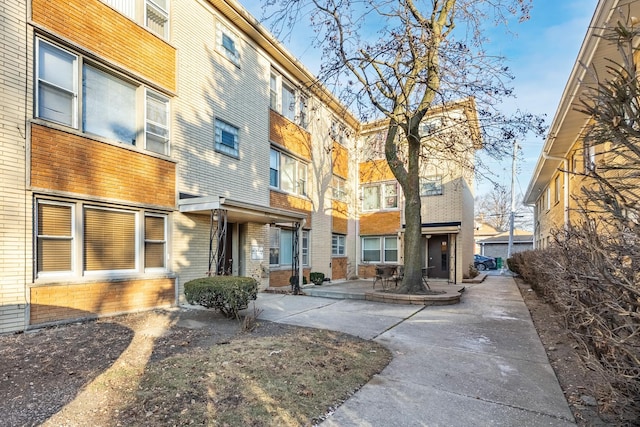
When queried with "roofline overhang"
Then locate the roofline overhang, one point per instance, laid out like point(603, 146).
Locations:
point(256, 213)
point(572, 91)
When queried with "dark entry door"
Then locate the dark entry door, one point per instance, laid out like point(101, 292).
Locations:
point(438, 257)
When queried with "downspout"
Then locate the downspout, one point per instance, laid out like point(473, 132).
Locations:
point(300, 268)
point(565, 191)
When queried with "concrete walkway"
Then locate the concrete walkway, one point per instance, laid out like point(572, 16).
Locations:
point(478, 363)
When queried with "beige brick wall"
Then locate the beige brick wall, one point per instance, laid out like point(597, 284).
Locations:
point(15, 211)
point(209, 87)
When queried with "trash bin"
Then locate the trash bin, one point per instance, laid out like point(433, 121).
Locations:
point(498, 263)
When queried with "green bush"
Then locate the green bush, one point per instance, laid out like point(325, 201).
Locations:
point(316, 278)
point(229, 294)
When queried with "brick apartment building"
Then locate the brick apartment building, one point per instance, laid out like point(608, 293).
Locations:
point(146, 143)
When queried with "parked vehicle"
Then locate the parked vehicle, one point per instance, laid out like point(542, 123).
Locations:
point(482, 263)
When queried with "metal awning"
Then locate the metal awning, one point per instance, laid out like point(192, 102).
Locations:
point(239, 212)
point(441, 227)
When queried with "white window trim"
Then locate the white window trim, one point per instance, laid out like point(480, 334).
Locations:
point(150, 93)
point(140, 101)
point(340, 238)
point(51, 274)
point(383, 196)
point(300, 100)
point(74, 92)
point(300, 189)
point(278, 231)
point(437, 179)
point(381, 248)
point(78, 248)
point(138, 14)
point(165, 241)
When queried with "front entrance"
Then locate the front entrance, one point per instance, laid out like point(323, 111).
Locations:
point(225, 251)
point(438, 256)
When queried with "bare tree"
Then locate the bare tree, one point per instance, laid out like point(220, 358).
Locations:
point(494, 209)
point(395, 61)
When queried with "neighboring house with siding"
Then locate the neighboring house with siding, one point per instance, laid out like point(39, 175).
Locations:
point(559, 176)
point(150, 143)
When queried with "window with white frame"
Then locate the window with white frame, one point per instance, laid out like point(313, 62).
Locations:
point(55, 237)
point(227, 43)
point(380, 196)
point(287, 173)
point(57, 84)
point(380, 249)
point(338, 243)
point(590, 158)
point(431, 185)
point(226, 138)
point(157, 123)
point(109, 239)
point(338, 188)
point(281, 246)
point(548, 196)
point(288, 101)
point(338, 132)
point(110, 104)
point(154, 14)
point(155, 241)
point(556, 189)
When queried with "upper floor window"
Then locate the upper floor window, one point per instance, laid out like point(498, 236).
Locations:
point(226, 137)
point(227, 43)
point(590, 158)
point(338, 188)
point(288, 101)
point(556, 189)
point(431, 185)
point(380, 196)
point(287, 173)
point(153, 14)
point(338, 132)
point(111, 107)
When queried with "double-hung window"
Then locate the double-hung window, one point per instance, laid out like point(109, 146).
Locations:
point(281, 246)
point(55, 237)
point(111, 107)
point(155, 16)
point(380, 249)
point(287, 173)
point(57, 81)
point(227, 43)
point(155, 241)
point(338, 188)
point(431, 185)
point(380, 196)
point(338, 243)
point(288, 101)
point(226, 138)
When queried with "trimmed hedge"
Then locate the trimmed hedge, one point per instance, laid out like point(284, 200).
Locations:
point(316, 278)
point(229, 294)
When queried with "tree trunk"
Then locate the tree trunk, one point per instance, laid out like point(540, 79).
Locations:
point(412, 281)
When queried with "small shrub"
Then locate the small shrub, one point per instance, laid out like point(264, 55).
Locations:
point(229, 294)
point(316, 278)
point(473, 271)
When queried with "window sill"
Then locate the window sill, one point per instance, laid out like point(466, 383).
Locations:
point(62, 280)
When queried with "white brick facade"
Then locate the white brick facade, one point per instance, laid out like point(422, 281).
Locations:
point(15, 215)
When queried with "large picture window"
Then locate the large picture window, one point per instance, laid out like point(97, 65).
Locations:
point(287, 173)
point(382, 249)
point(109, 240)
point(110, 105)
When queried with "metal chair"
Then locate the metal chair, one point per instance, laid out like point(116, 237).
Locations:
point(383, 274)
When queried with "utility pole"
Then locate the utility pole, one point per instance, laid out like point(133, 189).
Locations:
point(513, 199)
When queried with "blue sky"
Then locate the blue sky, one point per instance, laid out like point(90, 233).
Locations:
point(541, 56)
